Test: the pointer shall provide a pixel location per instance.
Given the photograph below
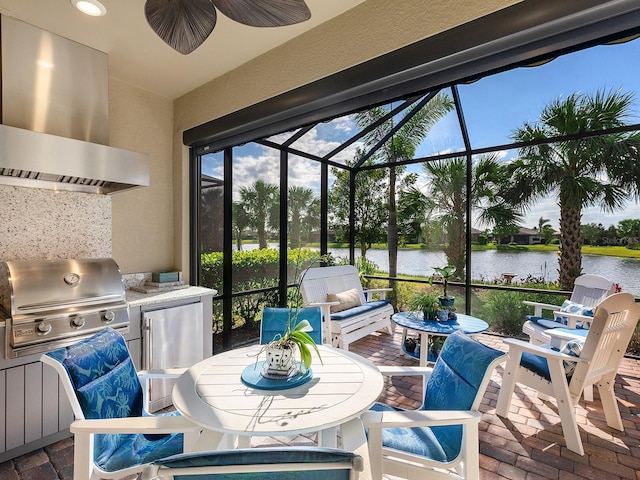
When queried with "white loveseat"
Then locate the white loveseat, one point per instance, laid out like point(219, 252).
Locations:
point(320, 285)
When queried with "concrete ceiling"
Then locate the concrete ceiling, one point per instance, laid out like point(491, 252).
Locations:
point(137, 56)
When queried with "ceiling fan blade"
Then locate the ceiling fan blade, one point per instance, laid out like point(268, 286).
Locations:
point(182, 24)
point(265, 13)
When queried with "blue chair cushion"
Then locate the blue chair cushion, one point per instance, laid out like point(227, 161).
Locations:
point(453, 385)
point(420, 441)
point(275, 321)
point(365, 307)
point(107, 386)
point(455, 381)
point(266, 456)
point(560, 321)
point(103, 376)
point(539, 365)
point(118, 451)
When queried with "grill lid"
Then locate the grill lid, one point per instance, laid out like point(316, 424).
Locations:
point(28, 287)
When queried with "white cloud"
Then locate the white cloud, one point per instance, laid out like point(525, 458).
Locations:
point(303, 172)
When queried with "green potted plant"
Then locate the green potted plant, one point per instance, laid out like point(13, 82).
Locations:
point(410, 344)
point(280, 352)
point(427, 303)
point(447, 272)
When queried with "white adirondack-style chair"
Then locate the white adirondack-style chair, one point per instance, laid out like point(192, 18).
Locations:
point(350, 324)
point(588, 290)
point(550, 371)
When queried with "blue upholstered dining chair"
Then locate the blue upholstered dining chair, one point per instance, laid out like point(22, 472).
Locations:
point(273, 463)
point(275, 321)
point(443, 433)
point(114, 434)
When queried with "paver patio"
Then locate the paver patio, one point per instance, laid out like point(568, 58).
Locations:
point(529, 445)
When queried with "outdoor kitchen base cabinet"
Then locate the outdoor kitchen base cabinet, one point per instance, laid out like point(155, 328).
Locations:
point(34, 410)
point(172, 338)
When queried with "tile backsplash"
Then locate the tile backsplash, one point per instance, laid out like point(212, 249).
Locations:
point(38, 224)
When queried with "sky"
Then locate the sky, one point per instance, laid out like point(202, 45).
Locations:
point(492, 106)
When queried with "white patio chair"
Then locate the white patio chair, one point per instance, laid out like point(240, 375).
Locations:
point(440, 440)
point(114, 435)
point(588, 291)
point(564, 376)
point(348, 312)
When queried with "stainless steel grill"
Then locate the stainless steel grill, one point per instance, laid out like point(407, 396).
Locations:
point(48, 304)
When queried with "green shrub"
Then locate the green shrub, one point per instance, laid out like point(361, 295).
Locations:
point(505, 312)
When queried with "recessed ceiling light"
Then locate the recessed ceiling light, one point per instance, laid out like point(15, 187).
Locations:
point(90, 7)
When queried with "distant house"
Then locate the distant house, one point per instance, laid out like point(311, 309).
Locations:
point(314, 236)
point(525, 236)
point(475, 234)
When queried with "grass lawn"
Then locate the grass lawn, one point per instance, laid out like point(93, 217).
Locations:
point(613, 251)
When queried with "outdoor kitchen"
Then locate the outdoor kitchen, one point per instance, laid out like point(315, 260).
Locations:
point(59, 280)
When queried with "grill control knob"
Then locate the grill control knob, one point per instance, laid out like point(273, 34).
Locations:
point(44, 328)
point(108, 316)
point(77, 322)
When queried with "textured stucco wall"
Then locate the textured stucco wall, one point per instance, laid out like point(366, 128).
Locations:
point(143, 217)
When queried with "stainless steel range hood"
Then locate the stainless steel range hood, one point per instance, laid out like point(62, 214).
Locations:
point(55, 123)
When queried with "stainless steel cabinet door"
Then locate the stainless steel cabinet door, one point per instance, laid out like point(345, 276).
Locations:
point(172, 339)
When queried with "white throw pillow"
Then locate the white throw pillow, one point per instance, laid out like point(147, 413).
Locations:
point(348, 299)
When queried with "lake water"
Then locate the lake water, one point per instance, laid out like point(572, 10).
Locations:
point(491, 264)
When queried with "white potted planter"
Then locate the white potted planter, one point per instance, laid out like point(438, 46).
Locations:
point(280, 359)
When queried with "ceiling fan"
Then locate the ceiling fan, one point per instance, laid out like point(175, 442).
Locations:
point(185, 24)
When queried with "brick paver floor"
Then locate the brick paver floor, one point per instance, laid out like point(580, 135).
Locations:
point(528, 445)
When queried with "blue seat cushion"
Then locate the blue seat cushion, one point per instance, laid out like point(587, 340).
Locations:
point(103, 375)
point(107, 386)
point(420, 441)
point(268, 456)
point(118, 451)
point(453, 384)
point(545, 322)
point(365, 307)
point(539, 365)
point(536, 363)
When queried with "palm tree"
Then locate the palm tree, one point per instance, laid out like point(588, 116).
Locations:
point(599, 171)
point(258, 201)
point(401, 146)
point(299, 202)
point(545, 230)
point(542, 224)
point(240, 221)
point(447, 198)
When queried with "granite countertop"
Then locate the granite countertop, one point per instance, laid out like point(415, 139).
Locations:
point(138, 298)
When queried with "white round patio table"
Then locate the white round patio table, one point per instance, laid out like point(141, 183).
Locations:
point(426, 328)
point(212, 395)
